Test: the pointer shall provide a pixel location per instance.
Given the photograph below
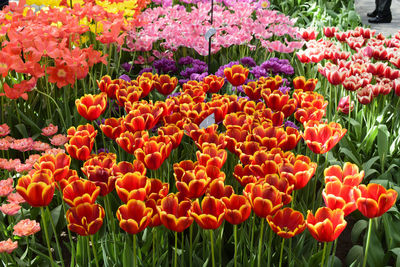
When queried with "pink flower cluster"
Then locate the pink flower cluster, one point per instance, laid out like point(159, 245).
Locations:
point(375, 58)
point(176, 27)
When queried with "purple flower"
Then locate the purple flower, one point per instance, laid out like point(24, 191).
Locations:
point(198, 77)
point(185, 60)
point(248, 61)
point(165, 65)
point(125, 77)
point(145, 70)
point(127, 67)
point(174, 95)
point(291, 124)
point(284, 89)
point(182, 81)
point(100, 150)
point(276, 66)
point(258, 72)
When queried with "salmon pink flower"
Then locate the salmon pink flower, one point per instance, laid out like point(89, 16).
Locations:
point(49, 130)
point(4, 130)
point(26, 228)
point(350, 175)
point(211, 214)
point(59, 140)
point(327, 224)
point(38, 189)
point(6, 187)
point(91, 106)
point(15, 198)
point(85, 219)
point(10, 209)
point(236, 75)
point(287, 223)
point(134, 216)
point(322, 137)
point(8, 246)
point(375, 200)
point(23, 145)
point(174, 214)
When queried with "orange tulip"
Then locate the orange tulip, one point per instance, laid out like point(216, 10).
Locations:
point(191, 179)
point(303, 84)
point(278, 101)
point(322, 137)
point(91, 106)
point(287, 223)
point(211, 214)
point(174, 214)
point(132, 186)
point(327, 224)
point(244, 175)
point(98, 169)
point(142, 118)
point(58, 165)
point(113, 127)
point(339, 196)
point(375, 200)
point(214, 83)
point(80, 191)
point(218, 189)
point(350, 174)
point(280, 183)
point(124, 167)
point(298, 173)
point(128, 94)
point(85, 219)
point(238, 209)
point(165, 84)
point(38, 189)
point(236, 75)
point(212, 156)
point(252, 90)
point(265, 199)
point(81, 141)
point(129, 141)
point(154, 152)
point(134, 216)
point(174, 133)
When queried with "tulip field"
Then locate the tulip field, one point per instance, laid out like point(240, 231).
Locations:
point(197, 133)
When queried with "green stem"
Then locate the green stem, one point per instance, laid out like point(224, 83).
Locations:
point(323, 255)
point(109, 217)
point(154, 245)
point(269, 247)
point(55, 236)
point(367, 245)
point(281, 255)
point(69, 232)
point(58, 108)
point(94, 251)
point(235, 237)
point(252, 233)
point(315, 182)
point(175, 252)
point(260, 243)
point(46, 233)
point(190, 245)
point(183, 247)
point(88, 250)
point(134, 250)
point(348, 127)
point(334, 253)
point(212, 248)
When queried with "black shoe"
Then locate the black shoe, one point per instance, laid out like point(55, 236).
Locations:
point(379, 19)
point(372, 14)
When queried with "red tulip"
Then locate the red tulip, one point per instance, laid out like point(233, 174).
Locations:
point(85, 219)
point(350, 174)
point(154, 152)
point(113, 127)
point(327, 224)
point(58, 165)
point(339, 196)
point(132, 186)
point(191, 178)
point(236, 75)
point(298, 173)
point(91, 106)
point(98, 169)
point(265, 199)
point(287, 223)
point(175, 214)
point(303, 84)
point(80, 191)
point(211, 214)
point(375, 200)
point(130, 142)
point(218, 189)
point(38, 189)
point(165, 84)
point(134, 216)
point(321, 137)
point(238, 209)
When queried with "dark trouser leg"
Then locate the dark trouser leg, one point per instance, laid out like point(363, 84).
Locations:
point(3, 3)
point(384, 8)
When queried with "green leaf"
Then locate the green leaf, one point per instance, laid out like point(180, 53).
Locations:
point(358, 228)
point(383, 142)
point(22, 130)
point(355, 256)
